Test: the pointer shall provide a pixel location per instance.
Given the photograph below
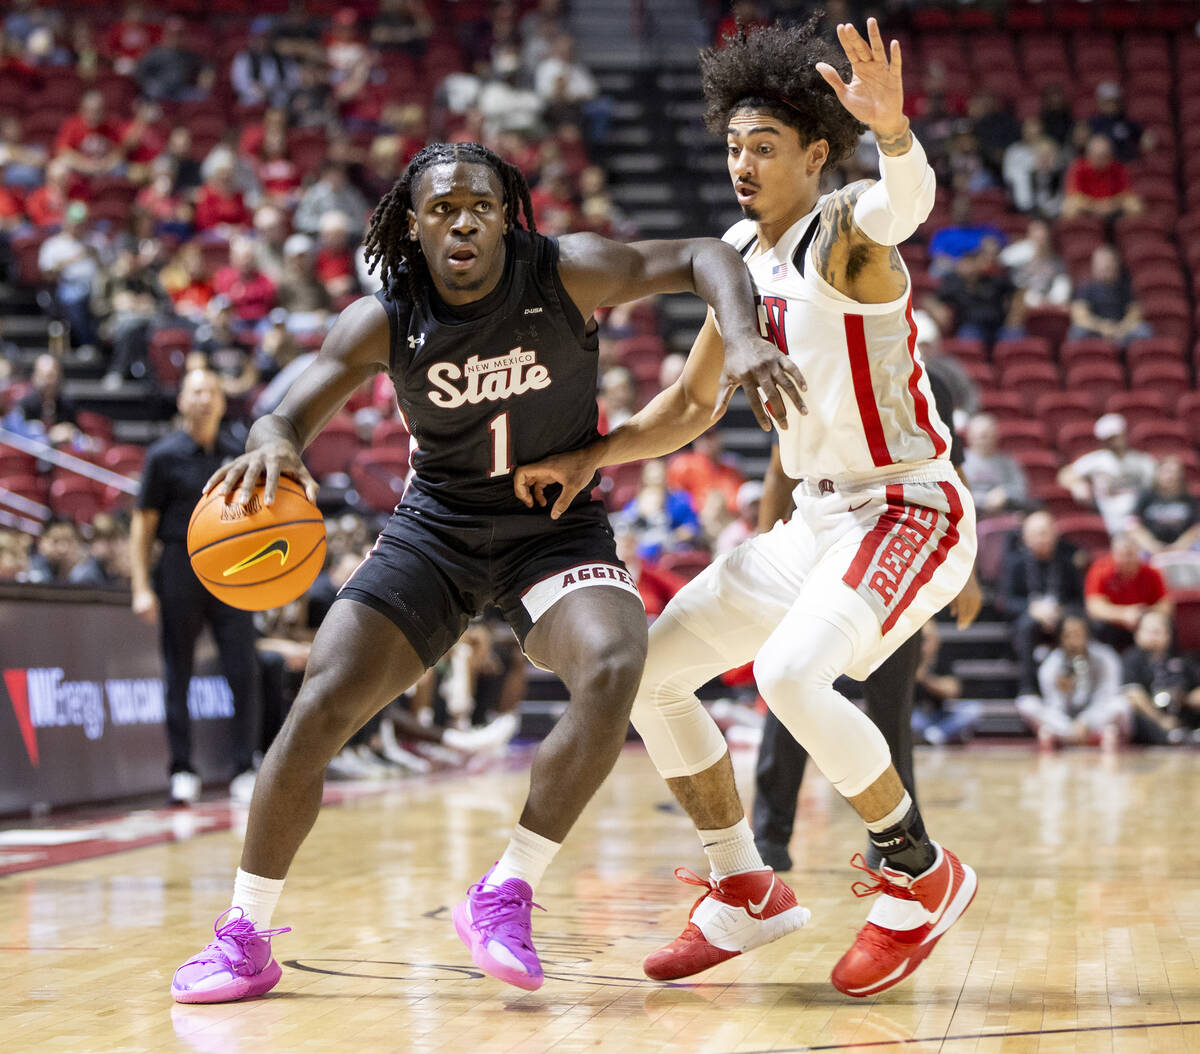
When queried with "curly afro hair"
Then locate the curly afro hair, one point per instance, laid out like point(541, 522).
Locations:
point(772, 68)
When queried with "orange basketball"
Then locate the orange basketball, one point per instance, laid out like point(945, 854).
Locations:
point(256, 557)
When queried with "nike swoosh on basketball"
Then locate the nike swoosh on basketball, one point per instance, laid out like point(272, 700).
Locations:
point(279, 547)
point(757, 909)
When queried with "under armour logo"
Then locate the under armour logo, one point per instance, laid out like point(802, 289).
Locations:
point(417, 341)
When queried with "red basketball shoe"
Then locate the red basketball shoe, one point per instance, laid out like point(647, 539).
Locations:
point(735, 914)
point(904, 924)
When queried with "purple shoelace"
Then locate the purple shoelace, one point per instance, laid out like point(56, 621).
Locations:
point(232, 936)
point(492, 913)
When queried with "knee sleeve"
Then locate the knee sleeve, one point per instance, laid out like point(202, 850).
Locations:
point(795, 671)
point(680, 737)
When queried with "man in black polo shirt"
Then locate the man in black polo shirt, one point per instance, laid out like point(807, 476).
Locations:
point(176, 469)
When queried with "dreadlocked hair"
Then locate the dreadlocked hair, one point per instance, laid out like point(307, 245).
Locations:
point(387, 244)
point(772, 68)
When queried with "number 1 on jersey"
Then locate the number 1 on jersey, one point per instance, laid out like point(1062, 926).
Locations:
point(501, 458)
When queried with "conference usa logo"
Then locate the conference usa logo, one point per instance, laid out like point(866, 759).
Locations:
point(486, 380)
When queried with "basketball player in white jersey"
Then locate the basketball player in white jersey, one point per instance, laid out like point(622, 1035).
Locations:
point(884, 532)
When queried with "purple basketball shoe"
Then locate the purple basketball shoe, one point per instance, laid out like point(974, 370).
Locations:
point(494, 922)
point(236, 965)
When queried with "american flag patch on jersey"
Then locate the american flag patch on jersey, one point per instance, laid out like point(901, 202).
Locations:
point(779, 271)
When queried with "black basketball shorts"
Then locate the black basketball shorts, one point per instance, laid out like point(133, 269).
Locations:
point(434, 568)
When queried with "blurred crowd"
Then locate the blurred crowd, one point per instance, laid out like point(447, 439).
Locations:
point(221, 187)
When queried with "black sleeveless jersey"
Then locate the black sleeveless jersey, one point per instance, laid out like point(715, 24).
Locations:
point(494, 384)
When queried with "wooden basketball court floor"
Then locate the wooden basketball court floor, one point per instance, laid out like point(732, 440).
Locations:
point(1084, 937)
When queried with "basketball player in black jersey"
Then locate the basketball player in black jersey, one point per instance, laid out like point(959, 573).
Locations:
point(486, 329)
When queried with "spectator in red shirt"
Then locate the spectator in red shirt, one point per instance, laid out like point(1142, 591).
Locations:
point(130, 38)
point(219, 204)
point(143, 138)
point(1098, 184)
point(335, 255)
point(251, 292)
point(276, 171)
point(553, 207)
point(1119, 589)
point(88, 141)
point(46, 205)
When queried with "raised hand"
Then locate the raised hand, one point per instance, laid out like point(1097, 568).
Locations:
point(875, 94)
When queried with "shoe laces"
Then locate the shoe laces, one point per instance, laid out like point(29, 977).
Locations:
point(693, 879)
point(493, 908)
point(882, 883)
point(232, 936)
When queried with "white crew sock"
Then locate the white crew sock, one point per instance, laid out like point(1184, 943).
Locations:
point(257, 897)
point(527, 857)
point(731, 849)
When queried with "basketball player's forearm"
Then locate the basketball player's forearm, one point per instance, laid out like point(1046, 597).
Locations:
point(669, 421)
point(721, 280)
point(272, 429)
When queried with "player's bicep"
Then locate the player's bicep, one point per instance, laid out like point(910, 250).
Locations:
point(354, 351)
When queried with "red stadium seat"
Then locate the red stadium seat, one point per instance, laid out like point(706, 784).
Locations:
point(1020, 433)
point(1187, 410)
point(1041, 466)
point(1097, 379)
point(16, 463)
point(1160, 438)
point(1050, 323)
point(76, 499)
point(125, 460)
point(1144, 404)
point(1154, 349)
point(619, 484)
point(1057, 408)
point(1058, 501)
point(1187, 620)
point(168, 354)
point(1170, 378)
point(1087, 531)
point(393, 433)
point(995, 536)
point(1030, 379)
point(641, 355)
point(1006, 353)
point(965, 349)
point(98, 426)
point(334, 448)
point(688, 563)
point(1002, 403)
point(379, 477)
point(1076, 438)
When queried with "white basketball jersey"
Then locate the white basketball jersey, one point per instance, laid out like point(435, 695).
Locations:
point(870, 408)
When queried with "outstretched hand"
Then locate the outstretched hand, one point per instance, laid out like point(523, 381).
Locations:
point(875, 94)
point(572, 471)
